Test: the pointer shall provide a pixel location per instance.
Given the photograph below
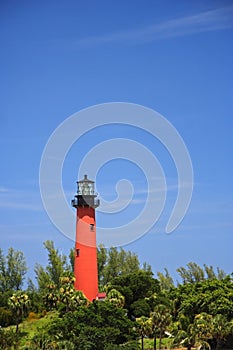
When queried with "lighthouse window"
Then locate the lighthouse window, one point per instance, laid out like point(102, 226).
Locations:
point(77, 252)
point(91, 227)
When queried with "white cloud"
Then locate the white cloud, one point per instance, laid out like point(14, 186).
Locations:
point(20, 206)
point(216, 19)
point(3, 189)
point(19, 199)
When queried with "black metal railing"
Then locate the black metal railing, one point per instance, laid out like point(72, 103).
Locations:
point(85, 201)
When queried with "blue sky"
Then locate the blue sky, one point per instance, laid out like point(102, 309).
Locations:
point(175, 57)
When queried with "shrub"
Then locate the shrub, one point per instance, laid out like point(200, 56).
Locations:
point(6, 317)
point(8, 338)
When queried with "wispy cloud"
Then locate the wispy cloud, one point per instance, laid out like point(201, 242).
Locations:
point(216, 19)
point(21, 206)
point(3, 189)
point(19, 200)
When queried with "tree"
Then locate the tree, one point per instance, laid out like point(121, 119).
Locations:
point(147, 268)
point(158, 298)
point(165, 280)
point(212, 296)
point(221, 274)
point(8, 339)
point(3, 274)
point(93, 326)
point(42, 276)
point(65, 298)
point(68, 296)
point(6, 317)
point(19, 303)
point(209, 270)
point(56, 268)
point(194, 273)
point(160, 319)
point(144, 328)
point(72, 257)
point(221, 328)
point(115, 262)
point(140, 308)
point(12, 270)
point(135, 286)
point(203, 328)
point(51, 298)
point(115, 298)
point(57, 263)
point(66, 291)
point(183, 332)
point(102, 260)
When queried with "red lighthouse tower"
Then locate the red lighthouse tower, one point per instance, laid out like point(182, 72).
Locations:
point(85, 263)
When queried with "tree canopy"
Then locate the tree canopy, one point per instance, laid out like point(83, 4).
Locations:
point(13, 269)
point(197, 311)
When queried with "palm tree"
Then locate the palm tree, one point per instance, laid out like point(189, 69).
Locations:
point(161, 319)
point(188, 337)
point(221, 328)
point(51, 298)
point(68, 295)
point(144, 328)
point(183, 332)
point(115, 298)
point(18, 303)
point(203, 328)
point(192, 334)
point(77, 299)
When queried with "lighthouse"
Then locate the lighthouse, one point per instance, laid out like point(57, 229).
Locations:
point(85, 261)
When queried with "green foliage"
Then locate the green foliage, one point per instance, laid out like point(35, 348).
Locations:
point(115, 298)
point(135, 286)
point(94, 325)
point(144, 328)
point(198, 312)
point(115, 262)
point(72, 257)
point(194, 273)
point(35, 327)
point(158, 298)
point(165, 280)
point(140, 308)
point(12, 270)
point(19, 303)
point(42, 276)
point(70, 299)
point(102, 261)
point(57, 263)
point(221, 328)
point(212, 296)
point(6, 317)
point(97, 337)
point(204, 331)
point(36, 301)
point(57, 266)
point(131, 345)
point(41, 340)
point(4, 296)
point(8, 339)
point(66, 298)
point(161, 318)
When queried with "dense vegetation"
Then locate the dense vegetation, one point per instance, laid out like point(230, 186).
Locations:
point(197, 312)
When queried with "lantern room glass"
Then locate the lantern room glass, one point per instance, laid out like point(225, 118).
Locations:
point(86, 187)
